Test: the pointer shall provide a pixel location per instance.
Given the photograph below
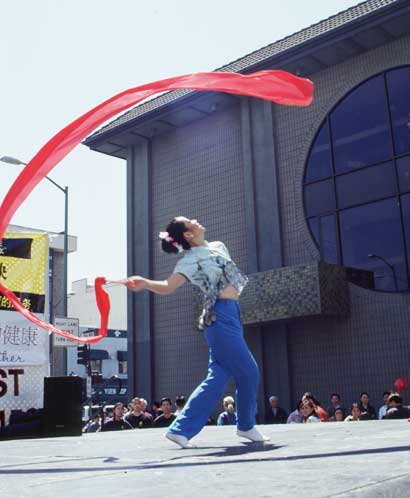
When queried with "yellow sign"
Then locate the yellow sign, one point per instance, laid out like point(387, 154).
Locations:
point(23, 269)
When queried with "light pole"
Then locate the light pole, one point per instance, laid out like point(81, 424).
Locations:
point(13, 160)
point(376, 256)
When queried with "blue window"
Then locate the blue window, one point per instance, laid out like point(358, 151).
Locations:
point(366, 185)
point(357, 181)
point(372, 240)
point(403, 172)
point(320, 166)
point(360, 130)
point(398, 83)
point(324, 231)
point(320, 197)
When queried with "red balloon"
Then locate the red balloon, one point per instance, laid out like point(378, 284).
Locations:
point(400, 384)
point(277, 86)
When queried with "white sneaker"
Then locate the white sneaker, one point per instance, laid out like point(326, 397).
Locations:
point(253, 435)
point(179, 440)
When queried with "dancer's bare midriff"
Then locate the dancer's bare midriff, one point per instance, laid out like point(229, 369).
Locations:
point(229, 293)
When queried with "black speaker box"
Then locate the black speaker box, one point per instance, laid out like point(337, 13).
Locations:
point(62, 406)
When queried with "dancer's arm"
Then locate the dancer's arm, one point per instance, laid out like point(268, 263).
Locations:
point(164, 287)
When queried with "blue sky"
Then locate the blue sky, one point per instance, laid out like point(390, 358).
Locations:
point(59, 58)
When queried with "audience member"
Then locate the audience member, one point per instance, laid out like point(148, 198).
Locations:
point(320, 412)
point(145, 411)
point(335, 403)
point(355, 413)
point(137, 418)
point(156, 409)
point(383, 409)
point(339, 415)
point(116, 423)
point(296, 416)
point(275, 414)
point(93, 425)
point(308, 412)
point(180, 402)
point(367, 411)
point(167, 416)
point(396, 408)
point(227, 417)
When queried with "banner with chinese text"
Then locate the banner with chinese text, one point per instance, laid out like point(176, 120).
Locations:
point(24, 348)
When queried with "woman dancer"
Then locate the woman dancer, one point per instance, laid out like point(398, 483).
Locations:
point(209, 266)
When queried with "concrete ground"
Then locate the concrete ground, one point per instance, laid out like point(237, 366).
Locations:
point(364, 459)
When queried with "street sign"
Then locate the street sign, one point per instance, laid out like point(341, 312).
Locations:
point(70, 325)
point(89, 390)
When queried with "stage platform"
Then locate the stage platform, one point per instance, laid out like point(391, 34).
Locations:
point(363, 459)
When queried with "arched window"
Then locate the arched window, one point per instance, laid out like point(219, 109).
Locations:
point(357, 181)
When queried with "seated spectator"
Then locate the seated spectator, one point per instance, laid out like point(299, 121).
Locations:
point(93, 425)
point(320, 412)
point(116, 423)
point(227, 417)
point(355, 413)
point(335, 403)
point(180, 402)
point(137, 418)
point(296, 416)
point(275, 414)
point(167, 416)
point(339, 415)
point(396, 409)
point(156, 409)
point(144, 408)
point(383, 409)
point(367, 411)
point(308, 412)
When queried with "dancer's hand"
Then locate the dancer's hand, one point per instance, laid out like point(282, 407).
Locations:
point(135, 283)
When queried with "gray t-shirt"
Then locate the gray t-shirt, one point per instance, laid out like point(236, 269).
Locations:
point(210, 268)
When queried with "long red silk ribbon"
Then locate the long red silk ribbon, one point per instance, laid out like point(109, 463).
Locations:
point(277, 86)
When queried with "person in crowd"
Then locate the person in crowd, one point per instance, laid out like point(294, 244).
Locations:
point(136, 417)
point(209, 266)
point(167, 417)
point(144, 407)
point(339, 415)
point(383, 409)
point(355, 413)
point(275, 414)
point(228, 416)
point(320, 412)
point(396, 409)
point(156, 409)
point(308, 412)
point(93, 425)
point(116, 423)
point(335, 402)
point(296, 416)
point(368, 411)
point(180, 402)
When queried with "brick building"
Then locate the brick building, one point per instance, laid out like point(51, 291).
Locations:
point(311, 202)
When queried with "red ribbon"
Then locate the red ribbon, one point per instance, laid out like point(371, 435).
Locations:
point(277, 86)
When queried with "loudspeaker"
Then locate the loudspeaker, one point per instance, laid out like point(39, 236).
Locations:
point(62, 406)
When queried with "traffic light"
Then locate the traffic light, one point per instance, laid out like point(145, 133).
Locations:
point(83, 355)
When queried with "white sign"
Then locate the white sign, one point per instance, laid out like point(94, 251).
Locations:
point(70, 325)
point(89, 387)
point(21, 342)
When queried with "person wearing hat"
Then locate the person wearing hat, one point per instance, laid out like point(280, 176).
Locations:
point(396, 409)
point(275, 414)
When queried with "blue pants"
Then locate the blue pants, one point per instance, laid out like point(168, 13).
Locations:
point(229, 356)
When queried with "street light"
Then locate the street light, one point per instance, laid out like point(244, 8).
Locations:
point(376, 256)
point(17, 162)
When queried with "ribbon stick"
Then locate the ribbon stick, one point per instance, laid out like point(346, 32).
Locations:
point(277, 86)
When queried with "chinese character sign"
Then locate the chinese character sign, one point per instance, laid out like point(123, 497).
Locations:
point(23, 346)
